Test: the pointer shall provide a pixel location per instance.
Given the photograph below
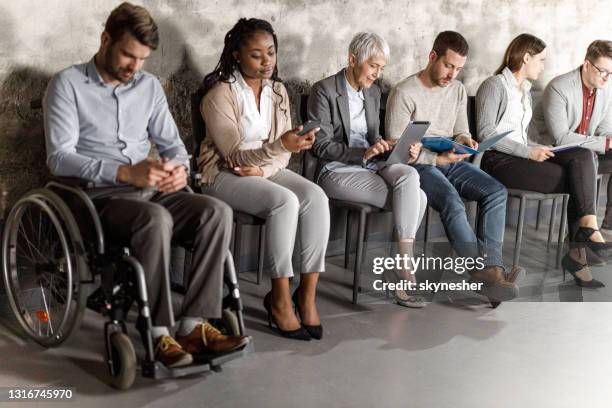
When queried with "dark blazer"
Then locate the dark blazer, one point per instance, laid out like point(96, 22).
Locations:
point(328, 103)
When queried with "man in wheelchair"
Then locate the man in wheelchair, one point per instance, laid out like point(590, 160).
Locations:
point(100, 118)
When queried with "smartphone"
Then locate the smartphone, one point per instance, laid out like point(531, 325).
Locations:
point(308, 126)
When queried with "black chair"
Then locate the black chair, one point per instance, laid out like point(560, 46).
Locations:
point(523, 196)
point(362, 212)
point(241, 219)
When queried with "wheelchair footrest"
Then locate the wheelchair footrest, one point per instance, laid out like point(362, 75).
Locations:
point(202, 364)
point(157, 371)
point(216, 360)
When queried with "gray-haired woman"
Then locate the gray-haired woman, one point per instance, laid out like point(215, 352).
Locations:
point(349, 148)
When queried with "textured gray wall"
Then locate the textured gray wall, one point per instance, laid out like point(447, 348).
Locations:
point(39, 38)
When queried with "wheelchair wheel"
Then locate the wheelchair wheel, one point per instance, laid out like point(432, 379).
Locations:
point(124, 361)
point(43, 263)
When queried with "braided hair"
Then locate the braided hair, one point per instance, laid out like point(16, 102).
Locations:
point(234, 39)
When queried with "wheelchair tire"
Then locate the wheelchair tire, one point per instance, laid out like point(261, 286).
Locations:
point(42, 257)
point(124, 361)
point(229, 321)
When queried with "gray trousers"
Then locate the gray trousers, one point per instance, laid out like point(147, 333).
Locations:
point(149, 223)
point(290, 204)
point(395, 187)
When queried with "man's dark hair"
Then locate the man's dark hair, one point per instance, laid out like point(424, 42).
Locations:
point(135, 20)
point(450, 40)
point(599, 48)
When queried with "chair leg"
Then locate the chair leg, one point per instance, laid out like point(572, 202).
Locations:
point(359, 255)
point(538, 214)
point(426, 231)
point(260, 254)
point(553, 216)
point(599, 178)
point(519, 232)
point(347, 239)
point(236, 247)
point(562, 229)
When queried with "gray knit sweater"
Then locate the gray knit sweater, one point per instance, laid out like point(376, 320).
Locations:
point(491, 103)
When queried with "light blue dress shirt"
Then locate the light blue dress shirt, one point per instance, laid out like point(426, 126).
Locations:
point(92, 128)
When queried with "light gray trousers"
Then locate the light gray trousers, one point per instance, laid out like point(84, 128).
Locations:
point(395, 187)
point(290, 204)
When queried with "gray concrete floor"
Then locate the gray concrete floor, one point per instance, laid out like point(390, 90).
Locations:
point(550, 348)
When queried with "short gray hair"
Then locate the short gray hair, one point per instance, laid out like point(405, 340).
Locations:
point(367, 45)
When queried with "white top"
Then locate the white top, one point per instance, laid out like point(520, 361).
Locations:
point(517, 116)
point(358, 134)
point(255, 124)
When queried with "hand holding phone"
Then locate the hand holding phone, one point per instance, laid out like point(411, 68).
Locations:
point(308, 126)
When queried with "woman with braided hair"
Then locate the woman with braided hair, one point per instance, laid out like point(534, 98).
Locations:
point(243, 160)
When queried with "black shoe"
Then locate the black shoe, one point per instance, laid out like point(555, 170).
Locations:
point(572, 267)
point(297, 334)
point(597, 252)
point(316, 332)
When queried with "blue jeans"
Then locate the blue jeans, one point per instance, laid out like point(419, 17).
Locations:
point(445, 186)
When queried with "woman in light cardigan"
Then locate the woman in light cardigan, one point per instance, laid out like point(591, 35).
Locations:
point(503, 103)
point(243, 160)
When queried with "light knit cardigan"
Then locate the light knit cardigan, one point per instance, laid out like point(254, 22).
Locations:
point(221, 114)
point(491, 104)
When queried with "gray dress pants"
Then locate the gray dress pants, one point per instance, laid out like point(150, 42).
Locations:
point(149, 223)
point(395, 187)
point(291, 205)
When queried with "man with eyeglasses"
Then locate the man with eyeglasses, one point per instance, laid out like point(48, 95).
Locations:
point(577, 107)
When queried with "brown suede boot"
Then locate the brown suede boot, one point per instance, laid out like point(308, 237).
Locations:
point(495, 286)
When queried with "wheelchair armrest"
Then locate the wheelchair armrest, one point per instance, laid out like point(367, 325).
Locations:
point(73, 182)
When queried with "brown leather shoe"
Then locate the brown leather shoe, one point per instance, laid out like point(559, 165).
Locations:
point(170, 353)
point(495, 286)
point(205, 338)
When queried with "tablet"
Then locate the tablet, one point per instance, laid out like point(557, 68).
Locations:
point(413, 133)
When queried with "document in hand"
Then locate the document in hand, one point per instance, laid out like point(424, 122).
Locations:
point(574, 145)
point(444, 144)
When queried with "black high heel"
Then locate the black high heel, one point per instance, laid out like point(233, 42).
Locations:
point(297, 334)
point(596, 251)
point(316, 332)
point(572, 267)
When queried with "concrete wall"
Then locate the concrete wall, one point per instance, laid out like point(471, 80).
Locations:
point(39, 38)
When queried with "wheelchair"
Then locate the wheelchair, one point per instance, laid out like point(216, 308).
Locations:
point(56, 262)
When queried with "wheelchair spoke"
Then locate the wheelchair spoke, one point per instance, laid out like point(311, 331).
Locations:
point(30, 245)
point(46, 308)
point(27, 243)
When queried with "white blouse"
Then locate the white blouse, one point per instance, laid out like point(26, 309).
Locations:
point(518, 112)
point(255, 124)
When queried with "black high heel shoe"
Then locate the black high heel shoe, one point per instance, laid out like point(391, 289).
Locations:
point(572, 267)
point(597, 252)
point(316, 332)
point(297, 334)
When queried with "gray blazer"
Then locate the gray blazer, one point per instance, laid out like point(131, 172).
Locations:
point(558, 114)
point(328, 103)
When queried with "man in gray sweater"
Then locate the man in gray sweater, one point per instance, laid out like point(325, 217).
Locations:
point(434, 95)
point(576, 107)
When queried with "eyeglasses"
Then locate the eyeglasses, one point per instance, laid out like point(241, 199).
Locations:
point(602, 72)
